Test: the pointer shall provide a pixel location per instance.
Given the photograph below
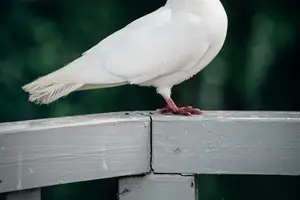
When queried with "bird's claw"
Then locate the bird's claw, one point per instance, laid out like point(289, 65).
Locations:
point(186, 111)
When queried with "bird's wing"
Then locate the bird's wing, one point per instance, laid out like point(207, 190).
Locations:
point(91, 67)
point(155, 45)
point(140, 53)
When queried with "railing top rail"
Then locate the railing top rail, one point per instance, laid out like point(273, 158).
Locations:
point(223, 142)
point(47, 152)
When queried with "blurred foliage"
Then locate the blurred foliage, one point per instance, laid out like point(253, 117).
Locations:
point(106, 189)
point(257, 69)
point(224, 187)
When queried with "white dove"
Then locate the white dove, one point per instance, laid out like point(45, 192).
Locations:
point(161, 49)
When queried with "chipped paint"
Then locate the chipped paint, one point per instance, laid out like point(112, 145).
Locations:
point(104, 165)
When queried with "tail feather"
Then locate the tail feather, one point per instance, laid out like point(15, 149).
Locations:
point(42, 92)
point(70, 78)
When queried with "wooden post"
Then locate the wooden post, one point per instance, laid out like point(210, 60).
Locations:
point(158, 187)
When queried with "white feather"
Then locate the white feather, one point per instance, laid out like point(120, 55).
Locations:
point(161, 49)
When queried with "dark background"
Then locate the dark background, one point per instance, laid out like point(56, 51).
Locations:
point(257, 69)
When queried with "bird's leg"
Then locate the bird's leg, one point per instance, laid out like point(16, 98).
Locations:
point(171, 108)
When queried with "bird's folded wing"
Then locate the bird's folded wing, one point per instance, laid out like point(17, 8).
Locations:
point(158, 44)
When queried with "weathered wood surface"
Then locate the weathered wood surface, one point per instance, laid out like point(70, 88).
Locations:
point(227, 143)
point(48, 152)
point(54, 151)
point(157, 187)
point(34, 194)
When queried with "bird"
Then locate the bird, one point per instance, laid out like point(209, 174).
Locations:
point(161, 49)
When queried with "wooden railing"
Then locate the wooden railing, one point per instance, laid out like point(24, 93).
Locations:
point(166, 151)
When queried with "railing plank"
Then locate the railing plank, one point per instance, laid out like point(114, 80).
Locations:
point(54, 151)
point(158, 187)
point(227, 143)
point(34, 194)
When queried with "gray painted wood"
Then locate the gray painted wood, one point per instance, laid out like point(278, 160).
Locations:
point(158, 187)
point(62, 150)
point(34, 194)
point(227, 143)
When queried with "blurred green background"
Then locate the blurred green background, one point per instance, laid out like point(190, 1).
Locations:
point(257, 69)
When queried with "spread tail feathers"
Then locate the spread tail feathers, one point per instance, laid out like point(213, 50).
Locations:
point(42, 92)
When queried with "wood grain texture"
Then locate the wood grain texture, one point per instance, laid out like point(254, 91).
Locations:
point(54, 151)
point(158, 187)
point(227, 143)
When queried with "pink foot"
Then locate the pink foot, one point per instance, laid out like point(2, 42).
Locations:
point(187, 111)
